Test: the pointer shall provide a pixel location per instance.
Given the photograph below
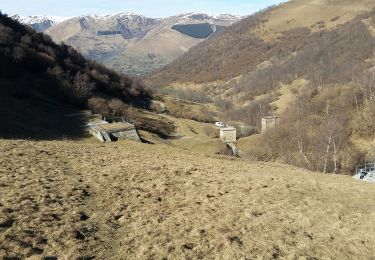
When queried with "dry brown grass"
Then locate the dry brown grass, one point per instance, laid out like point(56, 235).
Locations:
point(195, 136)
point(311, 13)
point(190, 110)
point(128, 200)
point(286, 95)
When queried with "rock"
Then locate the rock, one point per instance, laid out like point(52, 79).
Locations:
point(188, 246)
point(235, 239)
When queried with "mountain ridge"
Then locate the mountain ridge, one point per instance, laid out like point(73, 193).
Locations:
point(249, 40)
point(39, 22)
point(133, 43)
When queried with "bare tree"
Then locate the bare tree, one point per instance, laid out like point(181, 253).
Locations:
point(83, 86)
point(18, 54)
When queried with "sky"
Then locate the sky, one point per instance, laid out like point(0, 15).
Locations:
point(150, 8)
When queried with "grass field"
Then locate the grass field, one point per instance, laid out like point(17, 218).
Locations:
point(314, 14)
point(129, 200)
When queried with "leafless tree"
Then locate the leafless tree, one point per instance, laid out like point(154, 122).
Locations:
point(83, 86)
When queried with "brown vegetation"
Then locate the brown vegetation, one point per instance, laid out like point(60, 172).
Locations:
point(336, 106)
point(221, 57)
point(315, 132)
point(75, 200)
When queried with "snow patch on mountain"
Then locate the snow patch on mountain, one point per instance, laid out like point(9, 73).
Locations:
point(196, 17)
point(39, 22)
point(227, 17)
point(39, 19)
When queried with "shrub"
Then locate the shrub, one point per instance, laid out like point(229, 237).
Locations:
point(117, 107)
point(211, 131)
point(98, 105)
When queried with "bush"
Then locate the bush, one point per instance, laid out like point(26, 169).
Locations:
point(99, 105)
point(117, 107)
point(211, 131)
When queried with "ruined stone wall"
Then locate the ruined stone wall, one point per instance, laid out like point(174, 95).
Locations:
point(268, 123)
point(131, 134)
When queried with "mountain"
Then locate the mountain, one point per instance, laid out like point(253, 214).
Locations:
point(40, 23)
point(257, 40)
point(64, 195)
point(42, 81)
point(135, 44)
point(311, 63)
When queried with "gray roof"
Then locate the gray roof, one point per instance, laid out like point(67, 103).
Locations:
point(370, 177)
point(228, 128)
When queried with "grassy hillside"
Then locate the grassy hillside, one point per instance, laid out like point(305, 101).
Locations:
point(274, 33)
point(317, 74)
point(77, 199)
point(42, 81)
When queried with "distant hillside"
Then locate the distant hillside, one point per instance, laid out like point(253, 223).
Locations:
point(271, 34)
point(40, 81)
point(309, 62)
point(134, 44)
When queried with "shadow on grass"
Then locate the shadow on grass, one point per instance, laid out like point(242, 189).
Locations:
point(37, 119)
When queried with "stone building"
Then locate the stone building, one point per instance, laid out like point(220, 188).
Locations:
point(269, 122)
point(107, 132)
point(228, 134)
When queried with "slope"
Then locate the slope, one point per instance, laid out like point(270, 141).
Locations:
point(309, 62)
point(77, 199)
point(41, 81)
point(269, 35)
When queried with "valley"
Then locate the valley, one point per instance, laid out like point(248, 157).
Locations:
point(291, 86)
point(314, 73)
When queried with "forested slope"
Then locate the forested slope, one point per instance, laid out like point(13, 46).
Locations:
point(320, 54)
point(41, 80)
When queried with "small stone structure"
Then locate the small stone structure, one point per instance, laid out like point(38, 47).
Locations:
point(107, 132)
point(365, 172)
point(269, 122)
point(228, 134)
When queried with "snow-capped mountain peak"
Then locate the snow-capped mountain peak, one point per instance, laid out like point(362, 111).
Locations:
point(39, 22)
point(39, 19)
point(227, 17)
point(104, 17)
point(202, 16)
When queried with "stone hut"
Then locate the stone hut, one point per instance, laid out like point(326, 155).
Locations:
point(269, 122)
point(228, 134)
point(107, 132)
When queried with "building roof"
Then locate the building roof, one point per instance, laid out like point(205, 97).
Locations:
point(228, 128)
point(97, 122)
point(116, 127)
point(368, 176)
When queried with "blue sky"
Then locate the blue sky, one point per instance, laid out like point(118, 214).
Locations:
point(151, 8)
